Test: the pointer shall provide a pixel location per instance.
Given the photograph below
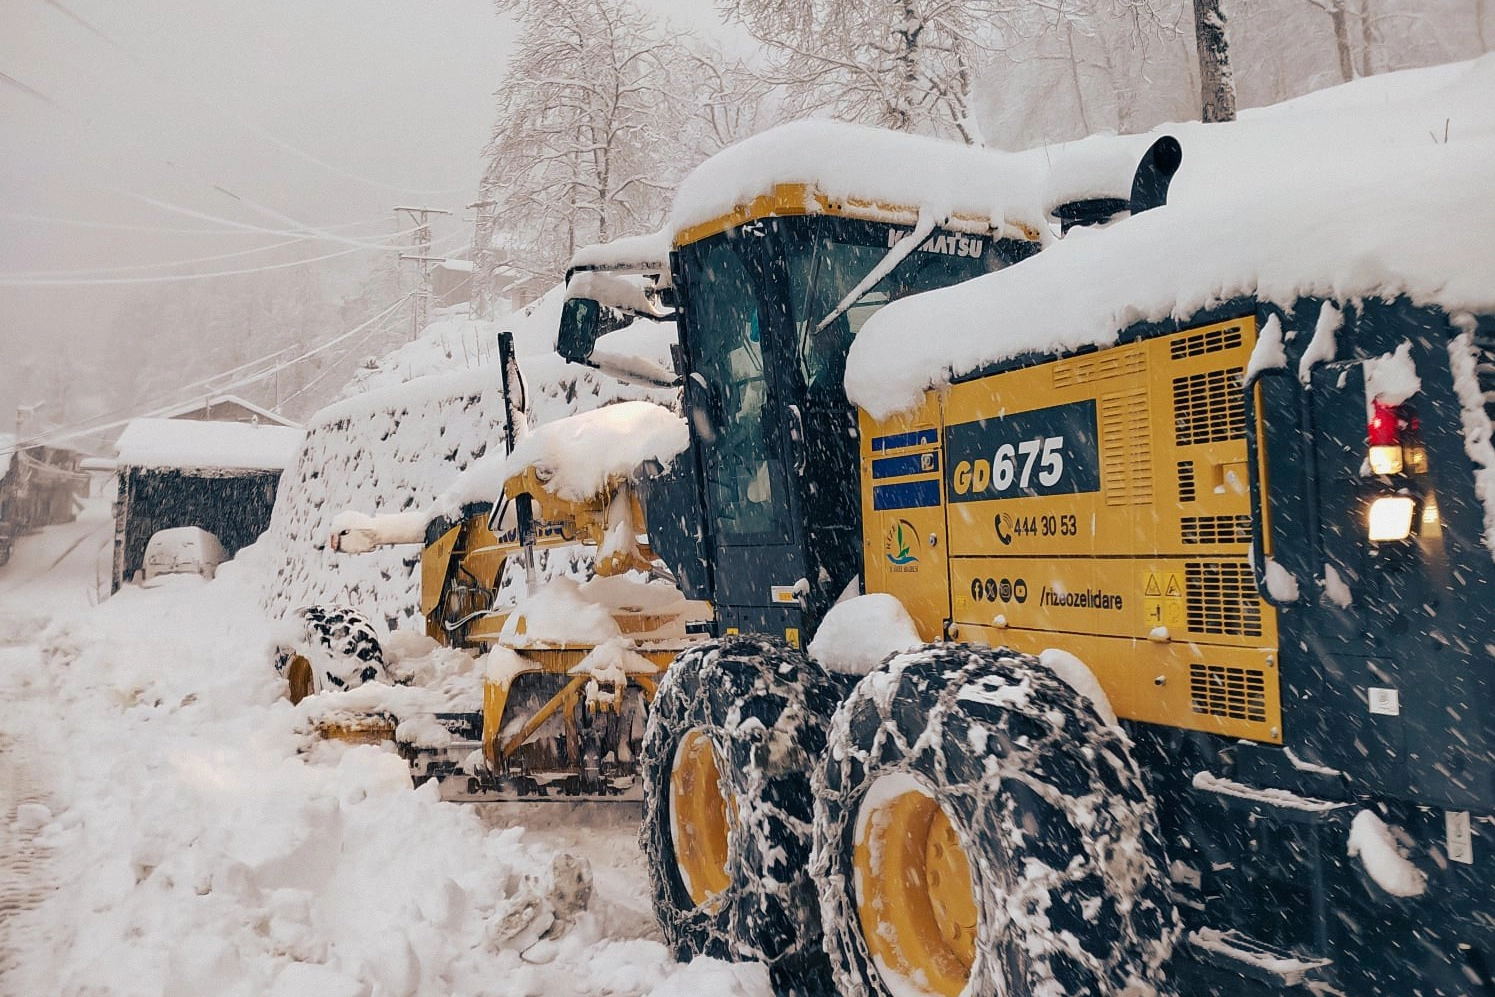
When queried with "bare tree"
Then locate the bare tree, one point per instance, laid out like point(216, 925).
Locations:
point(901, 64)
point(583, 148)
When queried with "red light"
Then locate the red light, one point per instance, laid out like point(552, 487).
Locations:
point(1386, 425)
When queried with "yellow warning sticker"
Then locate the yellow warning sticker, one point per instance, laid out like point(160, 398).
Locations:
point(1174, 589)
point(1152, 588)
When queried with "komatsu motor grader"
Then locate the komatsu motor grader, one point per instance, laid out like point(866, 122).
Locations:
point(1206, 697)
point(1195, 686)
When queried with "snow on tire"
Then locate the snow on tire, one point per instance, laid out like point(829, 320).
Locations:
point(980, 830)
point(732, 733)
point(338, 649)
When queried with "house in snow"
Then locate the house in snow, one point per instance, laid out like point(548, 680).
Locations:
point(39, 486)
point(226, 408)
point(183, 471)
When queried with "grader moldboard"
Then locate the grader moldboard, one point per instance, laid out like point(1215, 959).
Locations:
point(1266, 811)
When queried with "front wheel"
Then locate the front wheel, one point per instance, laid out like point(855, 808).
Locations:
point(732, 733)
point(980, 830)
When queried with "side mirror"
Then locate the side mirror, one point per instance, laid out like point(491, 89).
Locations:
point(580, 327)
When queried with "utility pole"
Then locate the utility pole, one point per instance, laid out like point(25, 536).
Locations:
point(423, 259)
point(483, 260)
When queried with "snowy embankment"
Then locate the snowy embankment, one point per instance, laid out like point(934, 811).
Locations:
point(396, 447)
point(185, 839)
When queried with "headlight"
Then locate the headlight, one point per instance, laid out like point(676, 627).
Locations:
point(1390, 517)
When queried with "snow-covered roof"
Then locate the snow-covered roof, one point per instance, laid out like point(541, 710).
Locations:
point(851, 162)
point(189, 443)
point(1380, 188)
point(632, 251)
point(264, 414)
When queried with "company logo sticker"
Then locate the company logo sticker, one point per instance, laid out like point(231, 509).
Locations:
point(899, 543)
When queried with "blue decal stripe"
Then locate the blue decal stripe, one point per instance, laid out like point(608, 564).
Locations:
point(900, 440)
point(908, 495)
point(898, 467)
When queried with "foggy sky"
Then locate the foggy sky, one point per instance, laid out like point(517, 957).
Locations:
point(219, 107)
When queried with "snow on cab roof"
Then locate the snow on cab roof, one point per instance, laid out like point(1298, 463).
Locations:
point(1383, 190)
point(634, 251)
point(189, 443)
point(843, 161)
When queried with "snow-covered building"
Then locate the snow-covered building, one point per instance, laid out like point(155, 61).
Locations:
point(226, 408)
point(220, 476)
point(39, 486)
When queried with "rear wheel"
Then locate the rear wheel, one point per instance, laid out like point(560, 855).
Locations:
point(339, 649)
point(732, 733)
point(980, 830)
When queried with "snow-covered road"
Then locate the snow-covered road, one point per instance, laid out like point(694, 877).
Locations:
point(166, 830)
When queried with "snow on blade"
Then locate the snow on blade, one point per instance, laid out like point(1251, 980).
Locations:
point(1292, 203)
point(578, 456)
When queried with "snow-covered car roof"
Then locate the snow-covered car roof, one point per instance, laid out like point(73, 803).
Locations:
point(189, 443)
point(1380, 188)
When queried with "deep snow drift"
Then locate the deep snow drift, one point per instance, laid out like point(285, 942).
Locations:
point(195, 843)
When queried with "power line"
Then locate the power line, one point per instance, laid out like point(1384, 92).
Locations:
point(125, 227)
point(333, 366)
point(172, 278)
point(84, 427)
point(301, 228)
point(29, 91)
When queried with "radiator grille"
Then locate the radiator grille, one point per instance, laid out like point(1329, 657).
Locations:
point(1186, 481)
point(1208, 407)
point(1200, 343)
point(1221, 598)
point(1111, 363)
point(1215, 529)
point(1233, 693)
point(1126, 448)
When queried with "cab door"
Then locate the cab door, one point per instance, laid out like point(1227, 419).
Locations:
point(740, 419)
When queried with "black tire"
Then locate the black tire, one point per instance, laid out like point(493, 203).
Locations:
point(765, 709)
point(339, 649)
point(1025, 772)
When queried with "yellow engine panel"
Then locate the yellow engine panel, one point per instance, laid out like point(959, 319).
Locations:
point(1098, 504)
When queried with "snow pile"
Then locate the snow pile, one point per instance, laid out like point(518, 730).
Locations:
point(1297, 201)
point(634, 252)
point(857, 634)
point(909, 174)
point(1392, 379)
point(1384, 859)
point(456, 342)
point(576, 457)
point(1479, 434)
point(395, 451)
point(191, 443)
point(193, 845)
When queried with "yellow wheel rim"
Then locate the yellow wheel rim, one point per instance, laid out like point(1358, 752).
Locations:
point(913, 888)
point(298, 678)
point(700, 818)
